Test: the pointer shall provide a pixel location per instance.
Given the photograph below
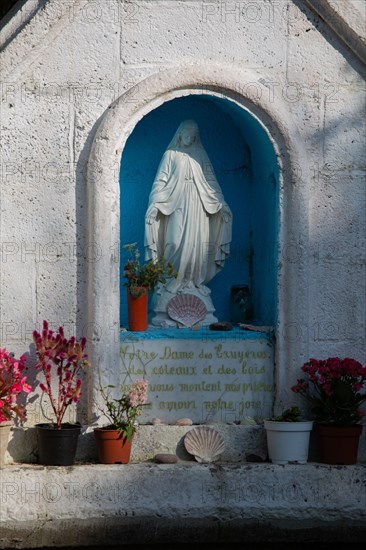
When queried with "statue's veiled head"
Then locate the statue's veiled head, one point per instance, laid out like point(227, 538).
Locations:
point(186, 135)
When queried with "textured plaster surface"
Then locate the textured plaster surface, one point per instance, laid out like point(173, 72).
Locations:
point(75, 79)
point(68, 64)
point(217, 502)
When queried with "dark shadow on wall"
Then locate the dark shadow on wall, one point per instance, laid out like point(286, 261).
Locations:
point(6, 6)
point(317, 23)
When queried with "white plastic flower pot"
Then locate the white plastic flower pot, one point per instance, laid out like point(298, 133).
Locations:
point(288, 441)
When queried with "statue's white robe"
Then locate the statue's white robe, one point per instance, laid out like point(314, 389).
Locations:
point(190, 229)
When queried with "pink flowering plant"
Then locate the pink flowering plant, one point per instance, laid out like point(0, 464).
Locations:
point(122, 411)
point(335, 389)
point(13, 386)
point(62, 361)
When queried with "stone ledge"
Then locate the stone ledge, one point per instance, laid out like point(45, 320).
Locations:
point(149, 440)
point(103, 504)
point(240, 440)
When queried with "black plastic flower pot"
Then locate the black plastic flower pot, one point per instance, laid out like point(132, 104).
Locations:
point(57, 447)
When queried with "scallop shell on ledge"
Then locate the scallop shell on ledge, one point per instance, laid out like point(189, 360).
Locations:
point(186, 309)
point(205, 443)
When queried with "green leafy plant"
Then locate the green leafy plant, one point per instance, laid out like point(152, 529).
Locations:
point(145, 276)
point(292, 414)
point(123, 411)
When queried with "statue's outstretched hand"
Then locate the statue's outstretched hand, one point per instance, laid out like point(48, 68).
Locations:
point(226, 213)
point(151, 215)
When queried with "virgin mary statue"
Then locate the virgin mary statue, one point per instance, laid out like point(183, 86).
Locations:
point(187, 220)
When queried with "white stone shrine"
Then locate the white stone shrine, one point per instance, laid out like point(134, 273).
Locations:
point(91, 93)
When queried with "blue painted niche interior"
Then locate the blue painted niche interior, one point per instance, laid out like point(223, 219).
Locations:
point(247, 171)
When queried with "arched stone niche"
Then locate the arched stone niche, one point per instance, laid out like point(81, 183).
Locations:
point(233, 90)
point(246, 167)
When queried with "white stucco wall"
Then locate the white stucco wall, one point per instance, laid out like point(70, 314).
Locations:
point(76, 76)
point(63, 70)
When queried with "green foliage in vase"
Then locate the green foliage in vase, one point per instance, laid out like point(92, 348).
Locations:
point(141, 276)
point(292, 414)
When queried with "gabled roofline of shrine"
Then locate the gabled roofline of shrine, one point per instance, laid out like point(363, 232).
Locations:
point(344, 20)
point(28, 28)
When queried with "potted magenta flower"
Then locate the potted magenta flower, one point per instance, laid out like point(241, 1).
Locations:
point(13, 386)
point(62, 361)
point(114, 439)
point(335, 389)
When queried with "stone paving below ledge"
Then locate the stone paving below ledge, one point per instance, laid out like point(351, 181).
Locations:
point(187, 502)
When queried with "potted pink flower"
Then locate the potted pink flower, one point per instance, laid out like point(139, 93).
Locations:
point(336, 390)
point(62, 361)
point(13, 386)
point(114, 439)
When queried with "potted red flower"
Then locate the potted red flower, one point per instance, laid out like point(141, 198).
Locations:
point(62, 361)
point(13, 386)
point(336, 390)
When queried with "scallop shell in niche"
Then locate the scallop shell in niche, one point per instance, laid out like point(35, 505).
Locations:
point(186, 309)
point(205, 443)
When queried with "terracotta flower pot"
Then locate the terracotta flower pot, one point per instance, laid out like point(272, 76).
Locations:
point(112, 446)
point(137, 311)
point(338, 445)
